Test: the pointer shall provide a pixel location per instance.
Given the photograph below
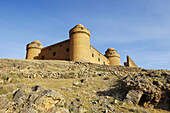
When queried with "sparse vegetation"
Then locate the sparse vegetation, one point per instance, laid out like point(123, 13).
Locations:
point(3, 91)
point(71, 73)
point(94, 75)
point(60, 106)
point(4, 77)
point(91, 89)
point(162, 80)
point(13, 75)
point(71, 110)
point(99, 69)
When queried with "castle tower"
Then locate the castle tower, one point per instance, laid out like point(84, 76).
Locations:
point(33, 49)
point(113, 57)
point(79, 44)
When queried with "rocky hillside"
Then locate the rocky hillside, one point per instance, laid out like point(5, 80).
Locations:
point(35, 86)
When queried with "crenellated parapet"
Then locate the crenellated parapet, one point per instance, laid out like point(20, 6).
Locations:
point(111, 52)
point(35, 44)
point(79, 28)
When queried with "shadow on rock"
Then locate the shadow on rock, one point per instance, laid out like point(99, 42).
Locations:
point(117, 91)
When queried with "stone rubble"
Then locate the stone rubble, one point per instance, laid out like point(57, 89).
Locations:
point(34, 99)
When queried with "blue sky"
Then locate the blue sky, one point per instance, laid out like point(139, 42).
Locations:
point(138, 28)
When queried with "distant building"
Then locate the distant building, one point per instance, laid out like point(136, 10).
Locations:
point(77, 48)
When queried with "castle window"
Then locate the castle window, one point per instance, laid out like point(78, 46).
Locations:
point(49, 48)
point(67, 50)
point(99, 59)
point(54, 53)
point(43, 57)
point(60, 45)
point(92, 55)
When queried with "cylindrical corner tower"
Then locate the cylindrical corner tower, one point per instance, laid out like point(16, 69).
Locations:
point(113, 57)
point(79, 44)
point(33, 49)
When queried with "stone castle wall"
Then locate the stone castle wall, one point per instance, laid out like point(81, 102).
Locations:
point(59, 51)
point(97, 57)
point(77, 48)
point(130, 63)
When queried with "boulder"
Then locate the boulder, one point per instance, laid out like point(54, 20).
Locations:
point(133, 96)
point(19, 97)
point(48, 100)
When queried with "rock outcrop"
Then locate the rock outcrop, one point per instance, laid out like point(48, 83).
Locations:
point(34, 86)
point(24, 99)
point(149, 90)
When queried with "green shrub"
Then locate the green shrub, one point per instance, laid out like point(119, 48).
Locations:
point(70, 110)
point(60, 106)
point(4, 77)
point(71, 73)
point(12, 75)
point(94, 75)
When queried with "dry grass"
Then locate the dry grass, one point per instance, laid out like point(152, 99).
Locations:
point(86, 91)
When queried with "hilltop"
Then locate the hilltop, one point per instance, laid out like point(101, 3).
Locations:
point(65, 86)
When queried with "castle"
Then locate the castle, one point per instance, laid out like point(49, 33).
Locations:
point(77, 48)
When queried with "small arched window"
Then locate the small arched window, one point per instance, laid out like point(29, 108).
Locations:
point(92, 55)
point(99, 59)
point(54, 53)
point(67, 50)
